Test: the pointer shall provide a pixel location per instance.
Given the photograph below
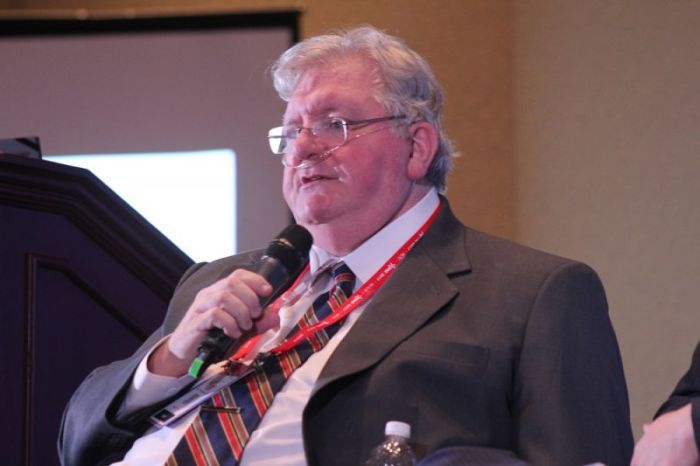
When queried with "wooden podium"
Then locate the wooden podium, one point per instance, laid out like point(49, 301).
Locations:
point(84, 279)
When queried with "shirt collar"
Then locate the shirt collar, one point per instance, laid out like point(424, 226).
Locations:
point(367, 258)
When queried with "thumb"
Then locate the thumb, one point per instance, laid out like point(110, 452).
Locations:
point(267, 321)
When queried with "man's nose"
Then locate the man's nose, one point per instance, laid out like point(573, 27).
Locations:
point(305, 146)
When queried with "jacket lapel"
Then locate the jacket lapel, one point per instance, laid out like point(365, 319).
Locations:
point(420, 286)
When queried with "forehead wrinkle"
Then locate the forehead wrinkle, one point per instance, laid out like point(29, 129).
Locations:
point(323, 90)
point(326, 103)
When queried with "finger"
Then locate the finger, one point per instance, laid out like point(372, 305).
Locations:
point(250, 285)
point(250, 289)
point(243, 323)
point(192, 330)
point(242, 304)
point(240, 318)
point(267, 321)
point(255, 281)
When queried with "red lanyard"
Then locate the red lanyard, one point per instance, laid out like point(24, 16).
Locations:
point(358, 298)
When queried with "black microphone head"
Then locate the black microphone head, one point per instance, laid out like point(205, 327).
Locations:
point(291, 248)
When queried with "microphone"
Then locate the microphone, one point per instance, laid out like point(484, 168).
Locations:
point(284, 259)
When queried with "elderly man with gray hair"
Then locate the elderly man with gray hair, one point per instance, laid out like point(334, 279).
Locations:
point(494, 353)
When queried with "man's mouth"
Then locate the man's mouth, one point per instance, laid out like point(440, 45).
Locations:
point(312, 178)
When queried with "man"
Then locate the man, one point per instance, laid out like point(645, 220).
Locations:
point(486, 348)
point(673, 439)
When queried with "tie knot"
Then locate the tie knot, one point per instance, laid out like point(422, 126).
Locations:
point(343, 277)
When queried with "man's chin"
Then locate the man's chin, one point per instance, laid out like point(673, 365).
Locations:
point(315, 211)
point(312, 221)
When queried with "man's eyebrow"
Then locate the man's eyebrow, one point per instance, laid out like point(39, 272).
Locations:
point(314, 114)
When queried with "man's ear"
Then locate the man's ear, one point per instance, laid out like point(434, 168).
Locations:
point(424, 138)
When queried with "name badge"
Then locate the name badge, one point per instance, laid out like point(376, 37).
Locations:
point(200, 392)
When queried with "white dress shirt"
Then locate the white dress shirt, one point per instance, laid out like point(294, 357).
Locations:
point(278, 438)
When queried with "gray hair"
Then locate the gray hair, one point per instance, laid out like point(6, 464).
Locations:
point(407, 85)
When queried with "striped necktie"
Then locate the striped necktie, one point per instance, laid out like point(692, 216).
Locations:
point(221, 430)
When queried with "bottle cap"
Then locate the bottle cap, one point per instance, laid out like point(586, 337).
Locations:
point(398, 428)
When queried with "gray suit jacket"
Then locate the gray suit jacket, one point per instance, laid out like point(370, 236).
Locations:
point(477, 342)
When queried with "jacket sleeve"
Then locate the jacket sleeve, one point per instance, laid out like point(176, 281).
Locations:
point(687, 391)
point(90, 433)
point(570, 404)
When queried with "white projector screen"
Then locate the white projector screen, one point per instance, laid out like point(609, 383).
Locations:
point(155, 85)
point(169, 188)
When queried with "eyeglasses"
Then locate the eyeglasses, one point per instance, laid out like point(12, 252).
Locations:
point(332, 133)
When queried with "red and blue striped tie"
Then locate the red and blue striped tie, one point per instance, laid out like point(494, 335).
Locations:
point(221, 430)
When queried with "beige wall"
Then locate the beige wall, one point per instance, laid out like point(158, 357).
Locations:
point(578, 128)
point(468, 44)
point(607, 121)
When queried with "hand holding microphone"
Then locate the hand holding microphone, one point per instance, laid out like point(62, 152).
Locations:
point(284, 259)
point(235, 303)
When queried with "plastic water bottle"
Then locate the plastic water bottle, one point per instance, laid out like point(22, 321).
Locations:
point(394, 450)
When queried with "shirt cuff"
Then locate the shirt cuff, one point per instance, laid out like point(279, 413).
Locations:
point(147, 388)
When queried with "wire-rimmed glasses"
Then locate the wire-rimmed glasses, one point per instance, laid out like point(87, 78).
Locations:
point(331, 132)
